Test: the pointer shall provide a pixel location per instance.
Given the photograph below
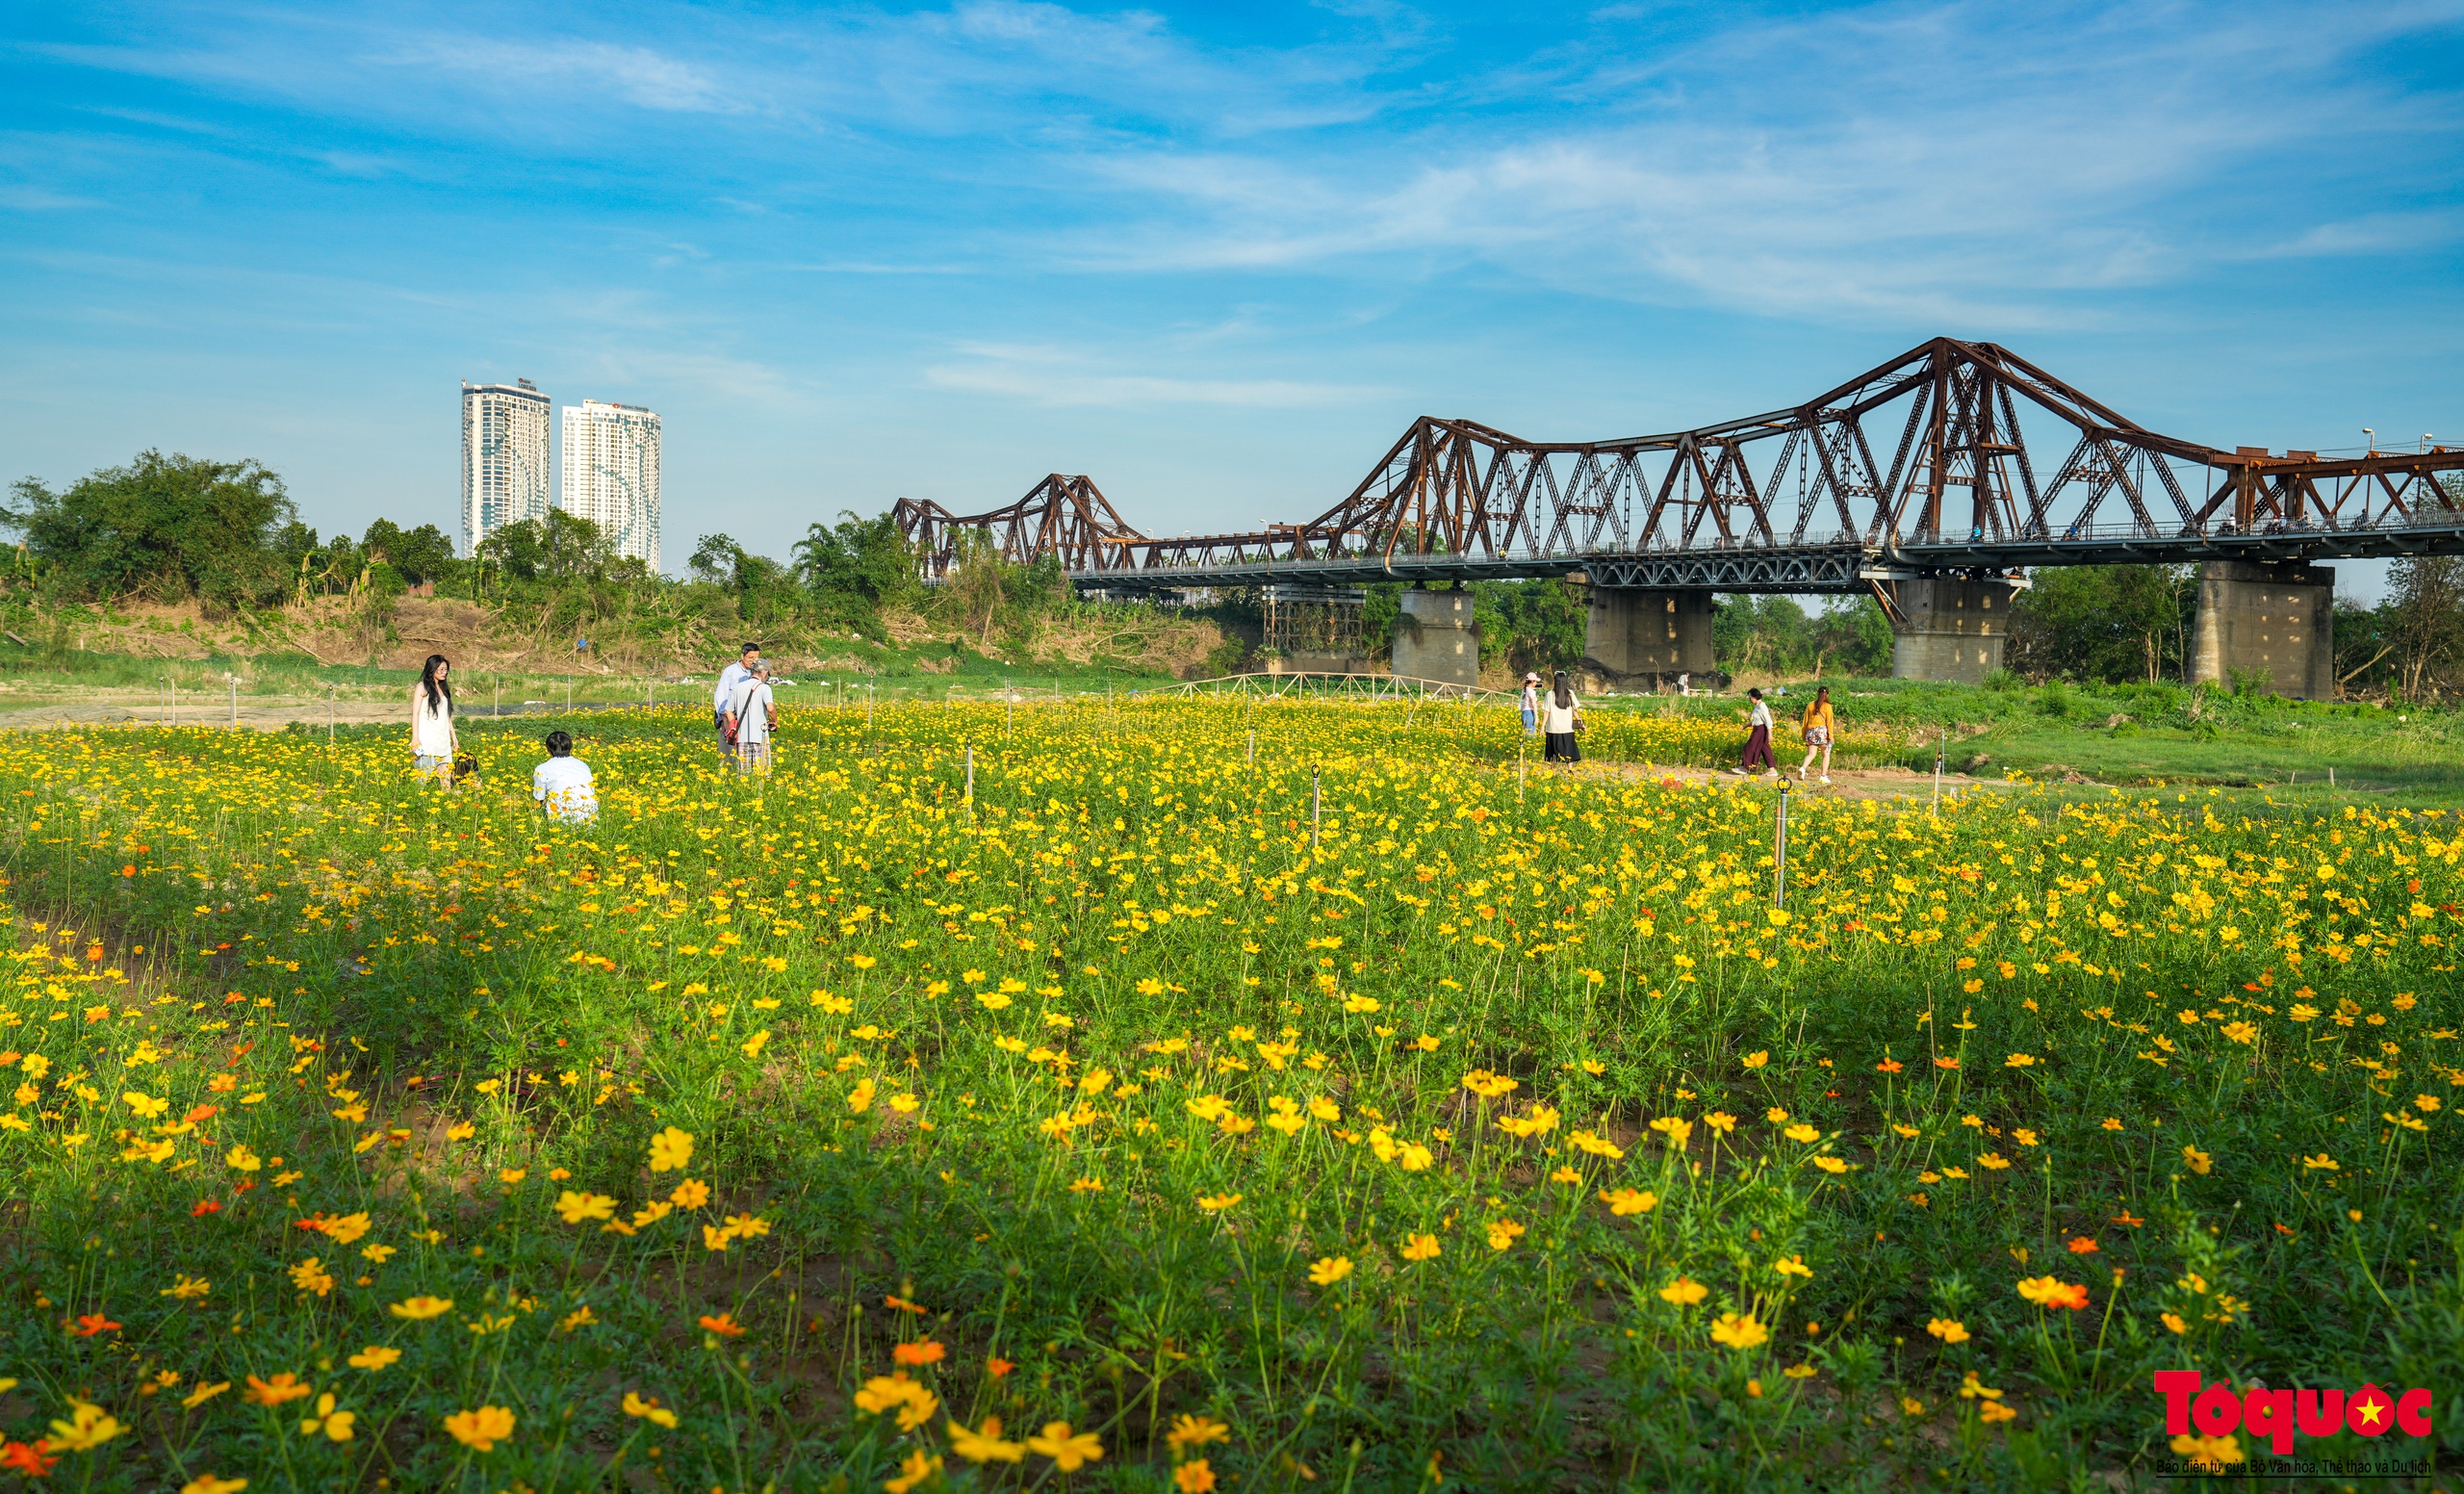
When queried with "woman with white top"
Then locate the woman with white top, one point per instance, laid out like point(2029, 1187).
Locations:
point(1757, 735)
point(432, 739)
point(1561, 717)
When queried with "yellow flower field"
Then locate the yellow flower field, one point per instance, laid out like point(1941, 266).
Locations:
point(1222, 1094)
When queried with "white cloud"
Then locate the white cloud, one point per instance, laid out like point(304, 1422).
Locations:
point(1055, 377)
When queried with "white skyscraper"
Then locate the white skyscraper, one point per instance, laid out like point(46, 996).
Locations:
point(611, 475)
point(505, 477)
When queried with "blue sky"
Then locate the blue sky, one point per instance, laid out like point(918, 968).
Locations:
point(1216, 258)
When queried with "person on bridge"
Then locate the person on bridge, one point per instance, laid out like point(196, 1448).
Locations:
point(1757, 736)
point(1530, 704)
point(1560, 718)
point(1817, 725)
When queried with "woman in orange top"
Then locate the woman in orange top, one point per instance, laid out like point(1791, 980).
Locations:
point(1817, 727)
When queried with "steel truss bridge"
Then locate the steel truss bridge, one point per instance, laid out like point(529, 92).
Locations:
point(1798, 500)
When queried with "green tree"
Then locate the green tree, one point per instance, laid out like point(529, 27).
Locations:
point(2101, 622)
point(861, 565)
point(173, 527)
point(1851, 640)
point(515, 550)
point(1762, 634)
point(421, 555)
point(2424, 623)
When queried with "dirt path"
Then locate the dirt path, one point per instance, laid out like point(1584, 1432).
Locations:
point(1882, 783)
point(262, 715)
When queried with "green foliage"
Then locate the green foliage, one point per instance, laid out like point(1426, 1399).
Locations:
point(2103, 622)
point(169, 527)
point(421, 555)
point(1756, 635)
point(2423, 622)
point(1530, 625)
point(560, 546)
point(862, 565)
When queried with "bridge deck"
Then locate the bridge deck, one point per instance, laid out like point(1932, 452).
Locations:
point(1841, 568)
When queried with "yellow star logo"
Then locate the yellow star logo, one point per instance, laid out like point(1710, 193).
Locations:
point(2371, 1411)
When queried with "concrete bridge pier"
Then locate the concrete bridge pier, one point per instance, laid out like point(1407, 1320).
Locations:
point(2272, 622)
point(1950, 629)
point(1644, 636)
point(1437, 639)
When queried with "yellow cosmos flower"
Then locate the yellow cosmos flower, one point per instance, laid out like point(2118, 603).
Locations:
point(576, 1207)
point(670, 1150)
point(1330, 1270)
point(985, 1445)
point(88, 1427)
point(481, 1429)
point(1068, 1452)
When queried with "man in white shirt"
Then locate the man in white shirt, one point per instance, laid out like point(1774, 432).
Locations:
point(563, 785)
point(730, 677)
point(752, 713)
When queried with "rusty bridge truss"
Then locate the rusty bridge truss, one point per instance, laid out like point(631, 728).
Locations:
point(1920, 467)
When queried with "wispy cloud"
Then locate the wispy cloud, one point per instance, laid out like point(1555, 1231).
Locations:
point(42, 199)
point(1059, 378)
point(1930, 163)
point(2371, 233)
point(638, 75)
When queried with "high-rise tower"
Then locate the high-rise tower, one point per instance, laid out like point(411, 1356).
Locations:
point(611, 475)
point(505, 459)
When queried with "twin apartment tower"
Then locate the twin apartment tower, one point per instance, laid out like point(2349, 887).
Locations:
point(610, 467)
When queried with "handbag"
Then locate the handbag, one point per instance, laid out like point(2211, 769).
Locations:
point(465, 765)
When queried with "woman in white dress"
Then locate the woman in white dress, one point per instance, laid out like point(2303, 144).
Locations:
point(432, 739)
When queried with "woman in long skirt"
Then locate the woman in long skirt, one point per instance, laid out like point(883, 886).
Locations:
point(1757, 735)
point(1561, 717)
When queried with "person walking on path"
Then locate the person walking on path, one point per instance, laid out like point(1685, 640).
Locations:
point(433, 741)
point(1685, 683)
point(751, 716)
point(730, 677)
point(1817, 725)
point(1560, 718)
point(1757, 735)
point(1530, 704)
point(563, 785)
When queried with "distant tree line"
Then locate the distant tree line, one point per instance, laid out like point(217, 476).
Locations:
point(228, 535)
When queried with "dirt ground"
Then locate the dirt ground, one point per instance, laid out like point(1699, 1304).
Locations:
point(1882, 783)
point(257, 713)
